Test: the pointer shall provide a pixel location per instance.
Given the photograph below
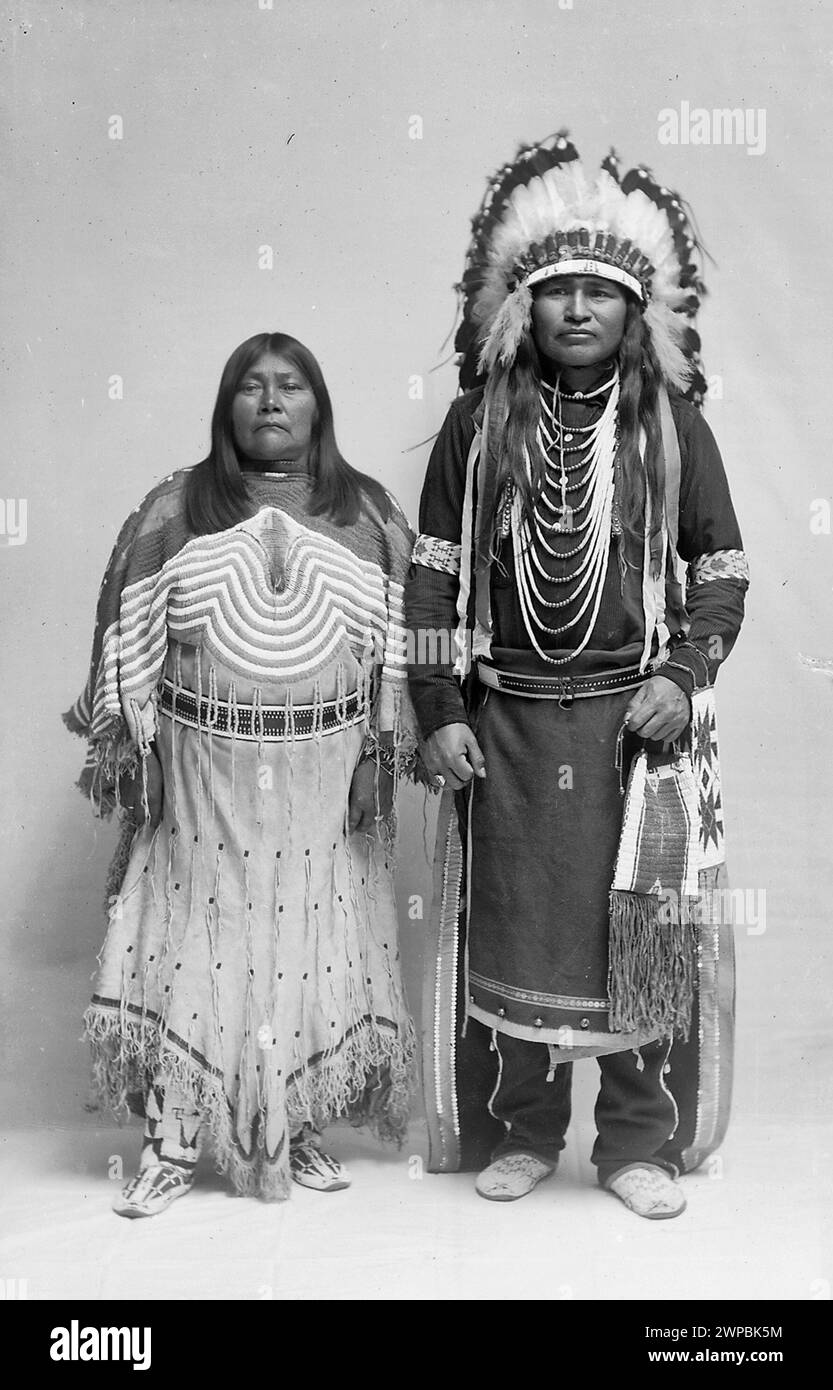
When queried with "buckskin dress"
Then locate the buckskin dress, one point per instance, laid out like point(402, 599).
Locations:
point(251, 958)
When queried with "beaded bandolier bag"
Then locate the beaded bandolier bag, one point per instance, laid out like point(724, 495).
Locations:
point(560, 499)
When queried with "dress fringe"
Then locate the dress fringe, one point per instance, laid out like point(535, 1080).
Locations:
point(121, 858)
point(368, 1080)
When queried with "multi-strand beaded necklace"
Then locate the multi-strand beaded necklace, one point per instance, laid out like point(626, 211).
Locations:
point(576, 500)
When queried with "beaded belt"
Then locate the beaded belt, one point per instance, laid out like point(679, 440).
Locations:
point(564, 689)
point(258, 722)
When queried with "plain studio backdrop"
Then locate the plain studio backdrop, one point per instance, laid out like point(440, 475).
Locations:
point(182, 174)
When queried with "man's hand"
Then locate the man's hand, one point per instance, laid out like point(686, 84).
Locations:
point(369, 799)
point(452, 752)
point(130, 792)
point(659, 710)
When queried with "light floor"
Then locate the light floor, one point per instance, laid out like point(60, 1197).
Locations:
point(757, 1227)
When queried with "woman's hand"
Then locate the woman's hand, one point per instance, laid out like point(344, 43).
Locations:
point(453, 752)
point(130, 792)
point(369, 800)
point(659, 710)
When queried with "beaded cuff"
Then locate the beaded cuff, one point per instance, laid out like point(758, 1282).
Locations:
point(682, 649)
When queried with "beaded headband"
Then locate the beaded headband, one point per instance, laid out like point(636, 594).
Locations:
point(580, 253)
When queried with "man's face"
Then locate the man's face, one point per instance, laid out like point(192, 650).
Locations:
point(578, 320)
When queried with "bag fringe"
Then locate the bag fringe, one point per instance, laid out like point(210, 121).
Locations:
point(651, 966)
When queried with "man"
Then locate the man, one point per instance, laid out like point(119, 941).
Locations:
point(558, 494)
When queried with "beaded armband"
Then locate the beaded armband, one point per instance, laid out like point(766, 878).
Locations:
point(436, 554)
point(721, 564)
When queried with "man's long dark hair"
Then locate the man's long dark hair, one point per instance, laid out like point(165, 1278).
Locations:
point(639, 382)
point(217, 495)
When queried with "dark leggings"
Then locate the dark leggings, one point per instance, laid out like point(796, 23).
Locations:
point(635, 1113)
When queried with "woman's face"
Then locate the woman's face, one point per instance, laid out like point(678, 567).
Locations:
point(273, 412)
point(578, 320)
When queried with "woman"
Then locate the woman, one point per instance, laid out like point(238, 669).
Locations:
point(558, 495)
point(247, 707)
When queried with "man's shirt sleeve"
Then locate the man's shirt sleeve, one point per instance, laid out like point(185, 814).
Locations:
point(433, 582)
point(710, 543)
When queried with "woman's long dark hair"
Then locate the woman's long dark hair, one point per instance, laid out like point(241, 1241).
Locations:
point(217, 495)
point(639, 382)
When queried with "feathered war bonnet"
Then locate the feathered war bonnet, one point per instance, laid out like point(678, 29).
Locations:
point(543, 216)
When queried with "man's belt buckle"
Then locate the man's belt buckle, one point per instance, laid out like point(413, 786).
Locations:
point(566, 692)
